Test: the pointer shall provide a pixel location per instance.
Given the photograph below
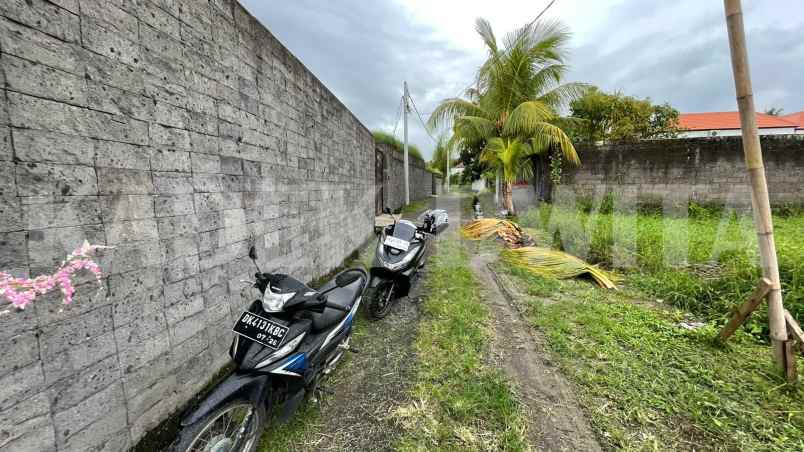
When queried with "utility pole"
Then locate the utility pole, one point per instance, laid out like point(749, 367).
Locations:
point(759, 185)
point(447, 175)
point(405, 107)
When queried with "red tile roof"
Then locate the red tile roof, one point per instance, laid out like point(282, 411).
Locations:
point(796, 118)
point(727, 120)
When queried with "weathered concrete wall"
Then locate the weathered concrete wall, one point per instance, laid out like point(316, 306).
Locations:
point(699, 169)
point(173, 131)
point(421, 180)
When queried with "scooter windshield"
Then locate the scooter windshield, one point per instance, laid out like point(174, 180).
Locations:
point(404, 230)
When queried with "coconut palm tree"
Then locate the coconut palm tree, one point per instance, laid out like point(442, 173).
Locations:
point(440, 156)
point(516, 98)
point(508, 157)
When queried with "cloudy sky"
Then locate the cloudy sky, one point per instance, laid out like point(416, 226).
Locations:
point(671, 51)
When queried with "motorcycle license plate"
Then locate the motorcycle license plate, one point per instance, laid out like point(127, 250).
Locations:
point(260, 329)
point(394, 242)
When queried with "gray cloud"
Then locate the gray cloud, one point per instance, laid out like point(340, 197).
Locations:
point(687, 63)
point(673, 52)
point(363, 51)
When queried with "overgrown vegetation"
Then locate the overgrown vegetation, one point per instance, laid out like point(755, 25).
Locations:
point(387, 138)
point(599, 116)
point(459, 402)
point(706, 262)
point(649, 384)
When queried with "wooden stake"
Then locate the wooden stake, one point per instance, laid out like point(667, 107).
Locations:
point(790, 362)
point(746, 309)
point(794, 329)
point(756, 173)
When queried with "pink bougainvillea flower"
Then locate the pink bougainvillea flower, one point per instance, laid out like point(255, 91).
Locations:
point(20, 292)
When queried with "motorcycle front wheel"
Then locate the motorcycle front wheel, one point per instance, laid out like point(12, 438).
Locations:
point(234, 427)
point(380, 299)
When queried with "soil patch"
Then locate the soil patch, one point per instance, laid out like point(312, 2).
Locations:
point(557, 422)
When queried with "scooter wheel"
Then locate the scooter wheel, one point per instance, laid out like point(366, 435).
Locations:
point(219, 429)
point(380, 299)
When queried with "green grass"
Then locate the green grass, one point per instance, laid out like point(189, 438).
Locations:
point(459, 403)
point(648, 384)
point(415, 207)
point(387, 138)
point(706, 264)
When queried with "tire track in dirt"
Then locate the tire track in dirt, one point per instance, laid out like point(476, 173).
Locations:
point(556, 421)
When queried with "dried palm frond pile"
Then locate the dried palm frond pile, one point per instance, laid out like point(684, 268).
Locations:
point(557, 264)
point(507, 231)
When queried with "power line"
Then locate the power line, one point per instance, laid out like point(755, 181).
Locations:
point(542, 13)
point(463, 91)
point(398, 115)
point(421, 120)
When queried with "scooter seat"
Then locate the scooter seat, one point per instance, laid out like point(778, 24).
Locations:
point(342, 296)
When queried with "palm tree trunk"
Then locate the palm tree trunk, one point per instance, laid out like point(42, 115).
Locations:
point(508, 197)
point(497, 189)
point(542, 183)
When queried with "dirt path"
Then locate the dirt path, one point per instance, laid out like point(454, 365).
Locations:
point(556, 421)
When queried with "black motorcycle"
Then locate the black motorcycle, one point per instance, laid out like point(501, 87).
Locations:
point(285, 344)
point(399, 256)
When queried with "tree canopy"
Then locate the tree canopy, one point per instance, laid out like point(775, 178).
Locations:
point(513, 108)
point(600, 116)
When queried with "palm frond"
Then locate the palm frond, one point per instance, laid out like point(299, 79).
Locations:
point(554, 264)
point(474, 127)
point(562, 95)
point(483, 28)
point(526, 118)
point(450, 109)
point(548, 135)
point(485, 228)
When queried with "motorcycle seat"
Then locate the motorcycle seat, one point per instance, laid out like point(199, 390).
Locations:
point(342, 296)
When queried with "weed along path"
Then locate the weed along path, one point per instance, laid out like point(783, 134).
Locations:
point(556, 422)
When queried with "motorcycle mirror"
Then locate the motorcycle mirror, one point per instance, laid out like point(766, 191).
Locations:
point(346, 278)
point(252, 254)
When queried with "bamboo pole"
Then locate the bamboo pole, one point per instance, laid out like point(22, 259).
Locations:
point(756, 173)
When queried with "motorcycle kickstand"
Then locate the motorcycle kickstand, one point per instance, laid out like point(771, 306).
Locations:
point(318, 395)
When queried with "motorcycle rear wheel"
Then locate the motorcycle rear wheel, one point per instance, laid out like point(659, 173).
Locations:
point(380, 299)
point(218, 431)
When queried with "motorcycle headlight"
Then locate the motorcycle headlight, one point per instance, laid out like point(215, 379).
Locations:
point(395, 266)
point(285, 350)
point(275, 302)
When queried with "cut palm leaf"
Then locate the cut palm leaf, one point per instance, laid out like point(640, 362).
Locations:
point(555, 264)
point(485, 228)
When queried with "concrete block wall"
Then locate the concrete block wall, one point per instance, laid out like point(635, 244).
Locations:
point(175, 131)
point(421, 180)
point(698, 169)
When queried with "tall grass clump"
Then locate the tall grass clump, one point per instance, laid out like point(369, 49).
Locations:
point(703, 259)
point(387, 138)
